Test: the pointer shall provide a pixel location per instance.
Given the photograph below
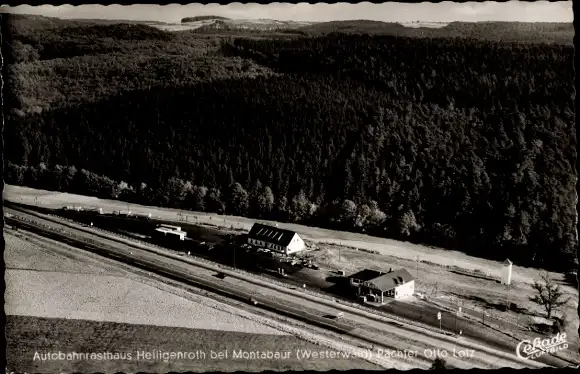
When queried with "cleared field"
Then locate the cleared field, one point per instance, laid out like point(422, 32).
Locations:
point(29, 335)
point(68, 290)
point(24, 252)
point(112, 299)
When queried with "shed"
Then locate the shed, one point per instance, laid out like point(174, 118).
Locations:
point(166, 233)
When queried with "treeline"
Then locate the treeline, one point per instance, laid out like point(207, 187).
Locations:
point(258, 201)
point(201, 18)
point(520, 32)
point(27, 40)
point(466, 145)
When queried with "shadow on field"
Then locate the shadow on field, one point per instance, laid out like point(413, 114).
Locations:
point(472, 275)
point(569, 279)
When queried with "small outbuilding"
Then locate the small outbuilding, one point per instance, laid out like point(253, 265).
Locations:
point(169, 234)
point(170, 227)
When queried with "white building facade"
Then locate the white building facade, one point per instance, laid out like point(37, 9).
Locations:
point(275, 239)
point(393, 284)
point(405, 290)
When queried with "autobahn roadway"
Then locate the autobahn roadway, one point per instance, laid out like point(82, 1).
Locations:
point(379, 332)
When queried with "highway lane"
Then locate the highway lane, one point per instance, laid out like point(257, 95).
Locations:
point(390, 335)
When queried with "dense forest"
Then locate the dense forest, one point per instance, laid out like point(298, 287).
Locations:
point(459, 143)
point(521, 32)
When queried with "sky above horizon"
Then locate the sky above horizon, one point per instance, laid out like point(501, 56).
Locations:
point(539, 11)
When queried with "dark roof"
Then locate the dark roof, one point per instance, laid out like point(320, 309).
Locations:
point(271, 234)
point(366, 275)
point(388, 281)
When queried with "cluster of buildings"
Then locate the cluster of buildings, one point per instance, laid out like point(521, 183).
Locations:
point(369, 285)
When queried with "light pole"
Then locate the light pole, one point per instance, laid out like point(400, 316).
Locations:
point(507, 294)
point(458, 314)
point(417, 267)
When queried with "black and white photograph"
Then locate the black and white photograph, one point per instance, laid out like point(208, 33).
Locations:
point(289, 187)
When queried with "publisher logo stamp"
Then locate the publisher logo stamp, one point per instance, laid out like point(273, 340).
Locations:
point(536, 348)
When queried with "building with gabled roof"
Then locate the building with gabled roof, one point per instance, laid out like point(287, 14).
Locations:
point(275, 239)
point(376, 285)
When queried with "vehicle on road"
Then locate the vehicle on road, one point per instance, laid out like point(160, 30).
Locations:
point(334, 316)
point(220, 275)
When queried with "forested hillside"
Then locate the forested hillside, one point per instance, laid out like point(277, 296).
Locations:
point(522, 32)
point(464, 144)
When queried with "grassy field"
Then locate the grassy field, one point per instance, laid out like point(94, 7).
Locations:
point(27, 335)
point(24, 253)
point(78, 292)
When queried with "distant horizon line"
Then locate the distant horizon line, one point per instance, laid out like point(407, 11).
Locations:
point(270, 19)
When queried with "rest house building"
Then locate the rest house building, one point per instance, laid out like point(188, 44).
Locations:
point(378, 286)
point(275, 239)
